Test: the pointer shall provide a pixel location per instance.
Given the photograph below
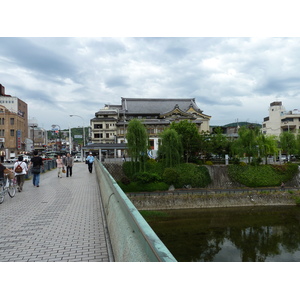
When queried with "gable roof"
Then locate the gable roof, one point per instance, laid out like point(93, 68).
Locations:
point(157, 105)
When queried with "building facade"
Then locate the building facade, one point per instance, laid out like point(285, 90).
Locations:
point(13, 125)
point(281, 120)
point(110, 123)
point(37, 135)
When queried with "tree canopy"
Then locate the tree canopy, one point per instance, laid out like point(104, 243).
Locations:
point(137, 141)
point(190, 137)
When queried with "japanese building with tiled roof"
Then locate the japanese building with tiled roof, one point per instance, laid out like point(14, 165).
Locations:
point(110, 123)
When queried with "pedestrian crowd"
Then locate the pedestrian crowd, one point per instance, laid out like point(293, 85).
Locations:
point(36, 165)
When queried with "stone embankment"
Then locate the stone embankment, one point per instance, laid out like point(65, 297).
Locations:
point(173, 200)
point(222, 192)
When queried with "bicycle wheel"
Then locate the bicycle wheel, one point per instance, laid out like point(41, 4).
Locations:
point(2, 194)
point(11, 189)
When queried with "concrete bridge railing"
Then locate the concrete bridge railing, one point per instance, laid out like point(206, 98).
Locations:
point(132, 239)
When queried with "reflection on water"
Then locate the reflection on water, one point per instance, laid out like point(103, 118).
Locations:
point(253, 234)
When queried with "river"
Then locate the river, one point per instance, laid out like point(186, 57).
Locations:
point(244, 234)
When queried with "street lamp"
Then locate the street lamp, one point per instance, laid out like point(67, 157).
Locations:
point(54, 126)
point(82, 151)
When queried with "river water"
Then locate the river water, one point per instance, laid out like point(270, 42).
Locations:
point(244, 234)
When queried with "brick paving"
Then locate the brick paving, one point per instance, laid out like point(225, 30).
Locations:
point(60, 221)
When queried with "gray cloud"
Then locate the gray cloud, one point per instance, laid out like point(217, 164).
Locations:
point(229, 77)
point(24, 53)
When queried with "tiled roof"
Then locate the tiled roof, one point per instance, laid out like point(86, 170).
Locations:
point(157, 105)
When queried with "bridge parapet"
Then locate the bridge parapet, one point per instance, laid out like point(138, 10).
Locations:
point(132, 238)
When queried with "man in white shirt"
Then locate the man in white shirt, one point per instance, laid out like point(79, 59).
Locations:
point(20, 169)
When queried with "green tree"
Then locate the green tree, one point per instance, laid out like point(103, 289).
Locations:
point(288, 143)
point(189, 137)
point(204, 146)
point(137, 142)
point(297, 152)
point(219, 143)
point(247, 142)
point(268, 145)
point(170, 149)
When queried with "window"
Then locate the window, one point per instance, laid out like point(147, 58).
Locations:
point(1, 132)
point(12, 121)
point(97, 136)
point(98, 126)
point(107, 135)
point(12, 132)
point(107, 126)
point(150, 130)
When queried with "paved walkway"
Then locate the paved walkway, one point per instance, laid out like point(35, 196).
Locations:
point(61, 220)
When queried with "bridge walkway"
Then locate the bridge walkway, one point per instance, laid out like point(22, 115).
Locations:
point(59, 221)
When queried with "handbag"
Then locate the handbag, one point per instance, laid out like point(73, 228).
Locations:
point(63, 170)
point(36, 170)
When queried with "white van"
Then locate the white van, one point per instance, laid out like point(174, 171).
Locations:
point(77, 158)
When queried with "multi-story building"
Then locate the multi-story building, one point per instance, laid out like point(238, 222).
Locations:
point(13, 125)
point(37, 135)
point(280, 120)
point(110, 123)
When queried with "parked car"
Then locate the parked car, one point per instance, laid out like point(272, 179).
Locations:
point(11, 160)
point(26, 158)
point(77, 158)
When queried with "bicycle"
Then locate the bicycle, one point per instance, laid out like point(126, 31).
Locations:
point(7, 186)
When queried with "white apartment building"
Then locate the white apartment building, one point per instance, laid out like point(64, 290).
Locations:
point(280, 120)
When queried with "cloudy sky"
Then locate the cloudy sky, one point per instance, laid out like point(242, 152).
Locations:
point(232, 78)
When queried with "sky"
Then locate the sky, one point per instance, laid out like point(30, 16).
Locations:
point(232, 78)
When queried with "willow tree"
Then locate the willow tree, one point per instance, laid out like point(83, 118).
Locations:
point(137, 143)
point(268, 145)
point(170, 149)
point(190, 137)
point(247, 142)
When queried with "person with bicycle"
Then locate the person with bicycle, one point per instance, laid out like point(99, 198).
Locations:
point(2, 168)
point(6, 183)
point(20, 169)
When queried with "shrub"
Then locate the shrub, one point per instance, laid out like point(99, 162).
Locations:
point(209, 163)
point(125, 180)
point(170, 176)
point(145, 177)
point(148, 187)
point(263, 175)
point(190, 174)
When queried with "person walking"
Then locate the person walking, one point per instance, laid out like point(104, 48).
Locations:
point(20, 169)
point(69, 164)
point(90, 159)
point(36, 163)
point(60, 166)
point(2, 168)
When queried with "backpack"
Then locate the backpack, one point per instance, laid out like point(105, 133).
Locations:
point(19, 169)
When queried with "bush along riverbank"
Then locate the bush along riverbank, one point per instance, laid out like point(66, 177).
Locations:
point(208, 186)
point(173, 200)
point(157, 178)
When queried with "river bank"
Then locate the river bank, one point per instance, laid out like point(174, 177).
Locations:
point(214, 198)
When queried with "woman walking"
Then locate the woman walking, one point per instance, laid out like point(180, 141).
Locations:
point(20, 169)
point(60, 166)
